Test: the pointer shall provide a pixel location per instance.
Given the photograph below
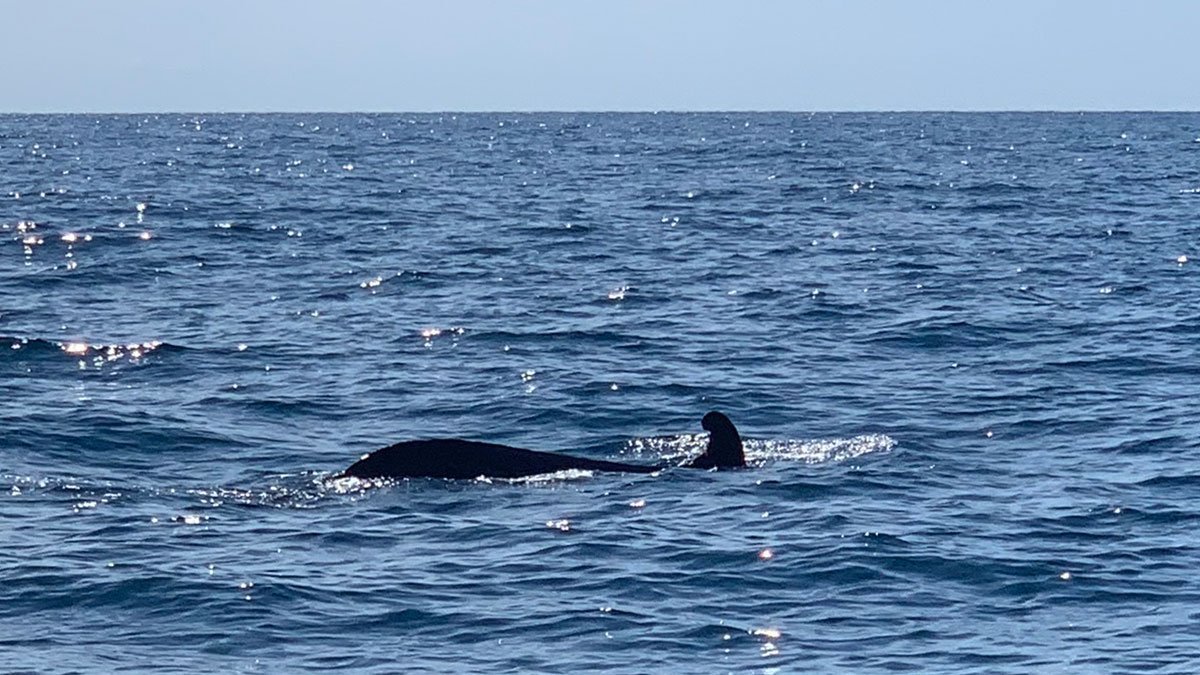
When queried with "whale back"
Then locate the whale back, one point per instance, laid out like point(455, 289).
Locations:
point(462, 459)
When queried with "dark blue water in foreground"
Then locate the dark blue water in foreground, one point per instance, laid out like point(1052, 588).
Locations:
point(964, 348)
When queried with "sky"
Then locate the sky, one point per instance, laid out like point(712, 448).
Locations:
point(515, 55)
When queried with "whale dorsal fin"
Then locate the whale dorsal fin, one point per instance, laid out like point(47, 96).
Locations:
point(724, 444)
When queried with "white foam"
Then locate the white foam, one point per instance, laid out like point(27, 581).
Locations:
point(553, 477)
point(686, 446)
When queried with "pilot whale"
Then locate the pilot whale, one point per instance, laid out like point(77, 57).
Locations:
point(463, 459)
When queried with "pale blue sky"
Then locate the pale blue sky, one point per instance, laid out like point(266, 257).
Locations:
point(433, 55)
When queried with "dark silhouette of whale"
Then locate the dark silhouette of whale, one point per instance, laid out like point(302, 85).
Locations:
point(458, 458)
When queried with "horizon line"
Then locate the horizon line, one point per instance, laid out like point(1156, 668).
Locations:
point(585, 111)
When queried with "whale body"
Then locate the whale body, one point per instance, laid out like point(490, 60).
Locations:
point(457, 458)
point(464, 459)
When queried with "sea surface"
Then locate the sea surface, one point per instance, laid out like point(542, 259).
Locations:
point(962, 349)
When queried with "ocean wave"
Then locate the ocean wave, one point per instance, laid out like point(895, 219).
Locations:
point(95, 354)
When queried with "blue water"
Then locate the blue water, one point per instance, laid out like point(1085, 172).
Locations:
point(963, 348)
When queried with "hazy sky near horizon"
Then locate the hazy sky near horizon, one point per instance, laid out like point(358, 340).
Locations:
point(436, 55)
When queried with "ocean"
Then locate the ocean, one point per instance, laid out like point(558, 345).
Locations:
point(962, 349)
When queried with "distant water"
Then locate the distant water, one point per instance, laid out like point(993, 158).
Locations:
point(964, 348)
